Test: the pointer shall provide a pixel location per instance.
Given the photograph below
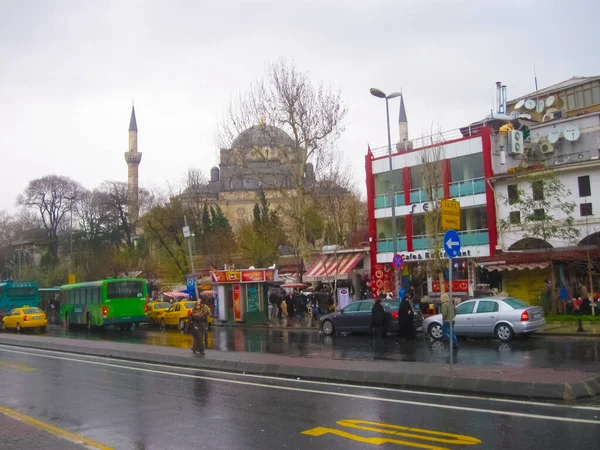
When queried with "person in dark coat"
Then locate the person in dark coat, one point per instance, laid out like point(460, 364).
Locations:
point(405, 319)
point(378, 319)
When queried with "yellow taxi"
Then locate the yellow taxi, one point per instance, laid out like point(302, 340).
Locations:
point(26, 317)
point(178, 314)
point(156, 311)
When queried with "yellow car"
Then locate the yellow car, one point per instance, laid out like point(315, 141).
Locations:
point(178, 314)
point(156, 311)
point(26, 317)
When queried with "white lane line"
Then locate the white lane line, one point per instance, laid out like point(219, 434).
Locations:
point(316, 391)
point(325, 383)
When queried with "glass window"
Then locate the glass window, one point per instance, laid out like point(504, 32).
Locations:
point(571, 102)
point(538, 190)
point(513, 193)
point(416, 177)
point(584, 186)
point(487, 306)
point(383, 182)
point(585, 209)
point(515, 217)
point(587, 98)
point(466, 167)
point(32, 311)
point(538, 214)
point(124, 289)
point(419, 225)
point(515, 303)
point(21, 292)
point(365, 306)
point(596, 95)
point(473, 218)
point(190, 305)
point(465, 308)
point(580, 103)
point(177, 307)
point(352, 307)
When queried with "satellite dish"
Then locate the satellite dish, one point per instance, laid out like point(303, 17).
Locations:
point(525, 116)
point(519, 104)
point(536, 136)
point(530, 104)
point(571, 133)
point(548, 116)
point(514, 114)
point(540, 106)
point(551, 101)
point(554, 136)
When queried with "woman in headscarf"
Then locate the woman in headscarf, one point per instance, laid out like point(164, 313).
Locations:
point(405, 318)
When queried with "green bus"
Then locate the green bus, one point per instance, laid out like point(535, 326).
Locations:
point(122, 302)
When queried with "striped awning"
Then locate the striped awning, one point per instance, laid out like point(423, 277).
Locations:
point(509, 267)
point(328, 267)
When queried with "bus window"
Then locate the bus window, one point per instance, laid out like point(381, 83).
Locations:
point(124, 289)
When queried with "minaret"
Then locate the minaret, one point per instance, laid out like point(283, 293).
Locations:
point(403, 142)
point(133, 158)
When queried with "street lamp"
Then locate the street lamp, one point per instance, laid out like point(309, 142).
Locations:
point(380, 94)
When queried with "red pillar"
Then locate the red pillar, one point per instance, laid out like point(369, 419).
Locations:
point(370, 180)
point(447, 178)
point(406, 184)
point(488, 172)
point(409, 232)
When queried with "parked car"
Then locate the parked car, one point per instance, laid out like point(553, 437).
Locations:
point(491, 316)
point(25, 317)
point(178, 314)
point(356, 318)
point(156, 310)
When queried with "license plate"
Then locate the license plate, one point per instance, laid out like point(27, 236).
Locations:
point(36, 317)
point(537, 316)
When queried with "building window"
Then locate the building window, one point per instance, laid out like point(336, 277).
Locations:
point(584, 186)
point(571, 102)
point(416, 177)
point(538, 190)
point(585, 209)
point(515, 217)
point(596, 95)
point(538, 214)
point(513, 193)
point(466, 167)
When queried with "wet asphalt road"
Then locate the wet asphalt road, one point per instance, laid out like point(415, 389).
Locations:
point(539, 352)
point(136, 406)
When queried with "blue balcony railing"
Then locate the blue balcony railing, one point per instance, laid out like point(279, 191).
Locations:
point(419, 195)
point(467, 187)
point(384, 200)
point(387, 245)
point(468, 237)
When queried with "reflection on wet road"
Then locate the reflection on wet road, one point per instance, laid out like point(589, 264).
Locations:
point(533, 352)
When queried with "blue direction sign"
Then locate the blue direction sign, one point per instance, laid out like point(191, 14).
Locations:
point(452, 243)
point(398, 261)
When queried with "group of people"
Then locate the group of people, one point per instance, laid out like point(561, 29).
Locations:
point(296, 305)
point(406, 316)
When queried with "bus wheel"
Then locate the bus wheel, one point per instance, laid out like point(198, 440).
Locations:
point(18, 327)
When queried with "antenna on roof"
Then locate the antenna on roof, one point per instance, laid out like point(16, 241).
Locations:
point(535, 79)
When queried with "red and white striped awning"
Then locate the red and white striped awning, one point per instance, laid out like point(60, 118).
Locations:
point(509, 267)
point(337, 266)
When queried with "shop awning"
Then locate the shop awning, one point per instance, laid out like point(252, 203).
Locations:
point(509, 267)
point(328, 267)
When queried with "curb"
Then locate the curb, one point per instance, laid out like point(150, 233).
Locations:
point(445, 383)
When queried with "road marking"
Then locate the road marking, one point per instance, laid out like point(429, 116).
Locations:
point(314, 391)
point(19, 367)
point(384, 428)
point(325, 383)
point(59, 432)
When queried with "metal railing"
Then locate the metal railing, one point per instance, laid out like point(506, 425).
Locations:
point(384, 200)
point(387, 245)
point(467, 187)
point(467, 237)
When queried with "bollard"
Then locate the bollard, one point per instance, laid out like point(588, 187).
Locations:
point(580, 326)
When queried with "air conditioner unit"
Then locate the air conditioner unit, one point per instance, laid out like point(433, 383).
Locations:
point(515, 142)
point(558, 115)
point(546, 147)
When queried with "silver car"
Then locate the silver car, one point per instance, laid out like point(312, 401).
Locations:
point(491, 316)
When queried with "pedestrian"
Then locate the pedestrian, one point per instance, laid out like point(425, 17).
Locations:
point(585, 299)
point(378, 319)
point(199, 318)
point(448, 314)
point(284, 309)
point(381, 295)
point(405, 319)
point(547, 297)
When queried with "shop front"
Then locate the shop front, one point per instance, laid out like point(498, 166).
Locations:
point(242, 294)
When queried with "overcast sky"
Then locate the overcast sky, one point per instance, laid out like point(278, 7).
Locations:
point(70, 69)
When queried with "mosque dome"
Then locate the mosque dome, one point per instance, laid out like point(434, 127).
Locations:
point(263, 136)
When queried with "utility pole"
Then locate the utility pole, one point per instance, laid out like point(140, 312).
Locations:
point(188, 235)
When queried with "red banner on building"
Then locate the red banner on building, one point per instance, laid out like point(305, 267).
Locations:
point(237, 302)
point(382, 278)
point(253, 276)
point(244, 276)
point(457, 286)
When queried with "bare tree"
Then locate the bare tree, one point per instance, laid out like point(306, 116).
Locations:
point(195, 192)
point(312, 116)
point(53, 196)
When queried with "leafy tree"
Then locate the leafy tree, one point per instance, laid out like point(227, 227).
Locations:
point(542, 214)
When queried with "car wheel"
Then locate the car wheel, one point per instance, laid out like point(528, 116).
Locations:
point(163, 324)
point(435, 331)
point(504, 332)
point(18, 327)
point(327, 327)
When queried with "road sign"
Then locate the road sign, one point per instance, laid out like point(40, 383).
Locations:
point(450, 214)
point(452, 243)
point(398, 261)
point(186, 232)
point(191, 282)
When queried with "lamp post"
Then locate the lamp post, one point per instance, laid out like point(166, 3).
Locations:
point(380, 94)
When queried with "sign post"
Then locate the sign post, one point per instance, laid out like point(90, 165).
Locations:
point(398, 262)
point(452, 247)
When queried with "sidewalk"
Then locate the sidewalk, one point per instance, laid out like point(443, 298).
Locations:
point(570, 329)
point(482, 380)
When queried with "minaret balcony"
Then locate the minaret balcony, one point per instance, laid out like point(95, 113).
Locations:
point(133, 158)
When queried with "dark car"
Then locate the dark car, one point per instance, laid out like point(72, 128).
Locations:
point(356, 318)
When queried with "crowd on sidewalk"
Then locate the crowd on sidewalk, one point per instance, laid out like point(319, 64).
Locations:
point(296, 307)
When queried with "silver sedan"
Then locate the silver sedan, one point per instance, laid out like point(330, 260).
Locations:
point(493, 316)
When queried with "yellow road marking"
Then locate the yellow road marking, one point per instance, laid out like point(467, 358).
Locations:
point(19, 367)
point(396, 430)
point(52, 429)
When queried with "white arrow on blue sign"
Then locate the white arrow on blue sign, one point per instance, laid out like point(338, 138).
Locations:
point(452, 243)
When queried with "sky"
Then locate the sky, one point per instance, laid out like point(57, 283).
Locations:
point(71, 69)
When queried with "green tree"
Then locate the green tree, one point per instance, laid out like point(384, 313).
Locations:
point(541, 213)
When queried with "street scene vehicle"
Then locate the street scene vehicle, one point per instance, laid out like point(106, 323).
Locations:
point(115, 301)
point(16, 294)
point(502, 318)
point(177, 315)
point(25, 317)
point(156, 311)
point(356, 318)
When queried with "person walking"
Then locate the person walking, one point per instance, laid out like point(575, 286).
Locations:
point(405, 319)
point(585, 299)
point(448, 314)
point(199, 318)
point(378, 319)
point(284, 310)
